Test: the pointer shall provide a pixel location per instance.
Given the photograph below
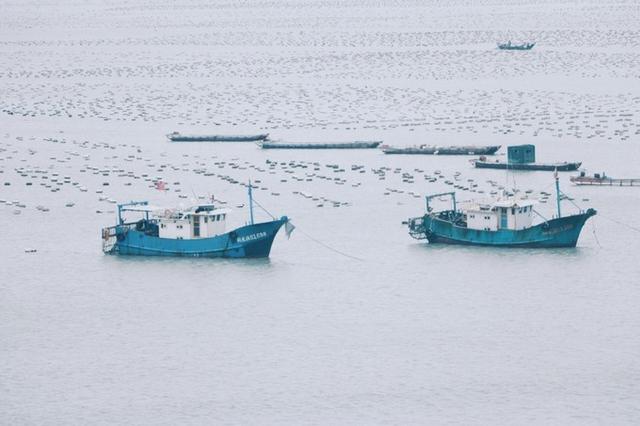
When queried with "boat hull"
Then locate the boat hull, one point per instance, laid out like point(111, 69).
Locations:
point(561, 167)
point(434, 150)
point(527, 46)
point(249, 241)
point(561, 232)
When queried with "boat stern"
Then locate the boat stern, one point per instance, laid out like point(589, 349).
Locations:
point(417, 228)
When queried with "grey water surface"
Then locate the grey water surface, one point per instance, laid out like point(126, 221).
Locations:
point(350, 321)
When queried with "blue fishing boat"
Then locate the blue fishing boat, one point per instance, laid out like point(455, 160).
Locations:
point(506, 222)
point(509, 46)
point(198, 231)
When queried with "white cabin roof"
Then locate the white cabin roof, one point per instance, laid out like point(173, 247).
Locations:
point(507, 203)
point(206, 212)
point(511, 202)
point(210, 210)
point(141, 208)
point(190, 211)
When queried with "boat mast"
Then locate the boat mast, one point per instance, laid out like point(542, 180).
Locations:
point(250, 203)
point(557, 192)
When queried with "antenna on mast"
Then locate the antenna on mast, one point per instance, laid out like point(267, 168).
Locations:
point(555, 175)
point(250, 203)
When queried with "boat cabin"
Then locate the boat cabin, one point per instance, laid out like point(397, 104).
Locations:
point(202, 221)
point(509, 214)
point(521, 154)
point(197, 222)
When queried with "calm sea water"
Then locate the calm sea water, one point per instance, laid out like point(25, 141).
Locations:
point(350, 321)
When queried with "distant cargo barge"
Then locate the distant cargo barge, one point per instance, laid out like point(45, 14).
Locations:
point(561, 167)
point(523, 157)
point(322, 145)
point(177, 137)
point(443, 150)
point(602, 180)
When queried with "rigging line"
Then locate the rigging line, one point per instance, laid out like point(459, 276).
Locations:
point(506, 180)
point(547, 187)
point(194, 194)
point(513, 178)
point(311, 238)
point(571, 201)
point(536, 212)
point(327, 246)
point(266, 211)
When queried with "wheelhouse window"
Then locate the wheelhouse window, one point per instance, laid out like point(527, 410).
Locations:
point(196, 226)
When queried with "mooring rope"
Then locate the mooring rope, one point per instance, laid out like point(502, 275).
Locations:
point(633, 228)
point(593, 226)
point(315, 240)
point(328, 246)
point(265, 210)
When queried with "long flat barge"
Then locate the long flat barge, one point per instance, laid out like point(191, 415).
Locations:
point(443, 150)
point(177, 137)
point(501, 165)
point(320, 145)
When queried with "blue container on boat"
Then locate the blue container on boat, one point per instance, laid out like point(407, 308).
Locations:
point(521, 154)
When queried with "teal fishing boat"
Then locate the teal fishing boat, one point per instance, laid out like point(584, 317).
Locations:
point(198, 231)
point(505, 222)
point(509, 46)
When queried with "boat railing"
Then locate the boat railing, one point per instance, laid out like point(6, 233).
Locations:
point(416, 228)
point(544, 219)
point(110, 234)
point(109, 238)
